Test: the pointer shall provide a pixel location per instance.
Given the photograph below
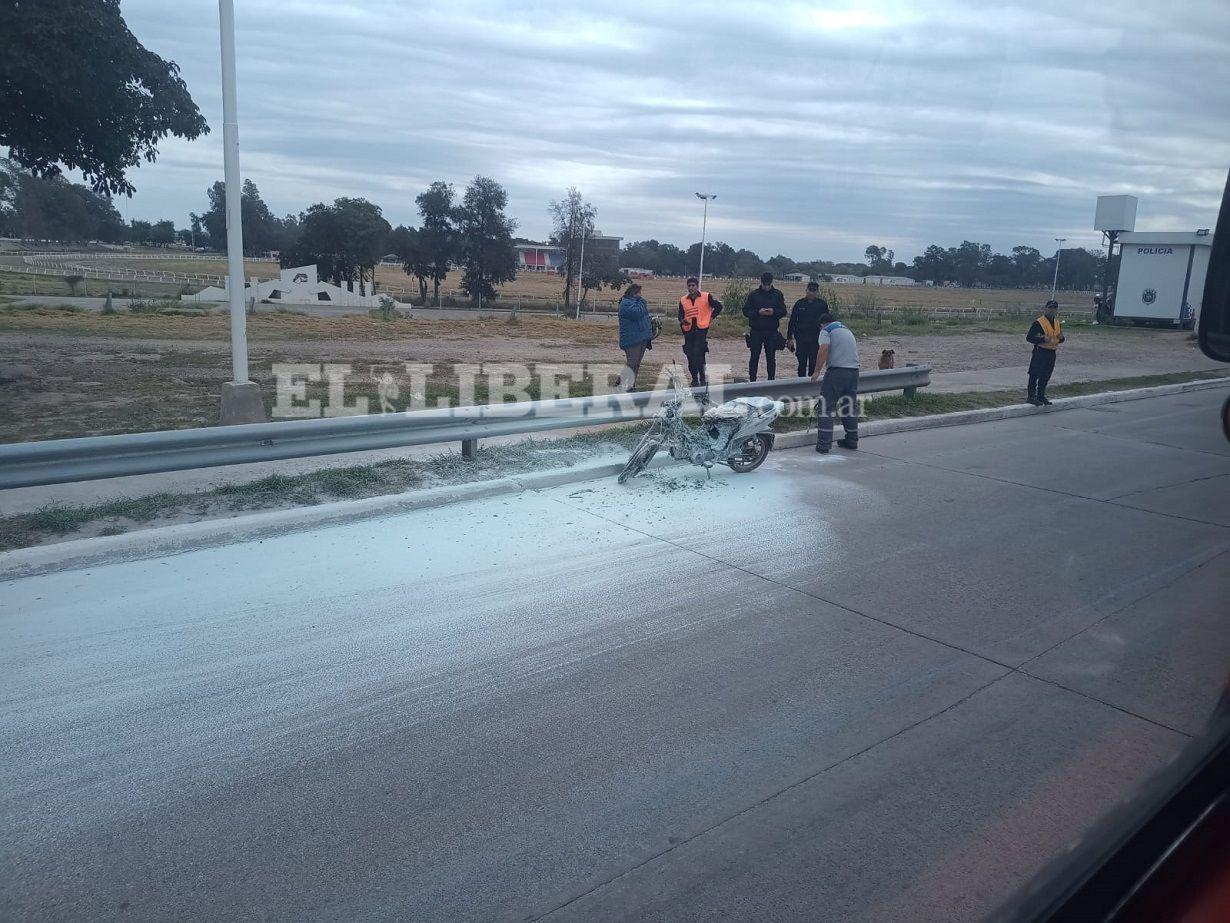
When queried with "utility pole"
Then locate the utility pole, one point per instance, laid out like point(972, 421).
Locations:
point(241, 399)
point(1058, 250)
point(1111, 237)
point(581, 268)
point(704, 222)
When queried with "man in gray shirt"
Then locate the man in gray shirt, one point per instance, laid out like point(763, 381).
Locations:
point(838, 362)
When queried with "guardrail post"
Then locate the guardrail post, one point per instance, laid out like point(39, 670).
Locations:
point(468, 447)
point(910, 392)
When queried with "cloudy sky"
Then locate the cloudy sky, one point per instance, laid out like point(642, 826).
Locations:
point(820, 127)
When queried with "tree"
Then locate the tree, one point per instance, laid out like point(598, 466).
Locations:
point(108, 223)
point(601, 270)
point(572, 223)
point(935, 265)
point(261, 231)
point(879, 259)
point(1026, 260)
point(746, 265)
point(10, 179)
point(140, 232)
point(1080, 270)
point(968, 261)
point(77, 89)
point(345, 240)
point(73, 281)
point(485, 233)
point(780, 265)
point(54, 209)
point(407, 244)
point(671, 261)
point(438, 236)
point(162, 233)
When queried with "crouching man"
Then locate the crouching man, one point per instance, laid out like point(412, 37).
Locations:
point(837, 361)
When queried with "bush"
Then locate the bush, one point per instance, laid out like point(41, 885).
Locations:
point(910, 317)
point(832, 299)
point(154, 306)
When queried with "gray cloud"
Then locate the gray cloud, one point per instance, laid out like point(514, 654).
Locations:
point(821, 128)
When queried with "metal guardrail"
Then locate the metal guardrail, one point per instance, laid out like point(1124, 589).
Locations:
point(61, 461)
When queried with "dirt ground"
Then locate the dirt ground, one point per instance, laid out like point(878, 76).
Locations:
point(96, 374)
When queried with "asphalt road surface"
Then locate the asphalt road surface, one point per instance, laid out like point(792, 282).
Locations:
point(887, 685)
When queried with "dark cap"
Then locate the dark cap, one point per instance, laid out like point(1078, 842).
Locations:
point(693, 279)
point(1052, 303)
point(813, 286)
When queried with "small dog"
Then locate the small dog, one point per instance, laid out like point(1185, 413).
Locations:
point(886, 359)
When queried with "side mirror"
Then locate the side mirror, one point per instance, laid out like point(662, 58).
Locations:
point(1213, 330)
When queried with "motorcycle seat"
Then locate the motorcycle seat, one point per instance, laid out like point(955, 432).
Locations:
point(737, 409)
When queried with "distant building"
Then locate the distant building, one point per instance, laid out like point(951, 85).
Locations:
point(635, 272)
point(549, 258)
point(871, 280)
point(796, 277)
point(602, 245)
point(539, 258)
point(889, 280)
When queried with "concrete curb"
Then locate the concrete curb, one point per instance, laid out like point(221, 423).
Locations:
point(177, 539)
point(190, 536)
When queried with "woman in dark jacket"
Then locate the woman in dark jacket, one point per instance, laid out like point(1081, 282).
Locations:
point(635, 334)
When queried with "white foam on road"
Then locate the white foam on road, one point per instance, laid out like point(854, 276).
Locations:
point(117, 675)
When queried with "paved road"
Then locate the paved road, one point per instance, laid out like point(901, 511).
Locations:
point(886, 685)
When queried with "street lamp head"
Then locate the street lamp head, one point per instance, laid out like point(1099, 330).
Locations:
point(706, 195)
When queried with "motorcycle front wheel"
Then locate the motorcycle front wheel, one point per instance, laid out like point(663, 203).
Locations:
point(642, 455)
point(753, 452)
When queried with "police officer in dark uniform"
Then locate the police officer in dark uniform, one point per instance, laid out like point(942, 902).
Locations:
point(1046, 333)
point(803, 329)
point(764, 309)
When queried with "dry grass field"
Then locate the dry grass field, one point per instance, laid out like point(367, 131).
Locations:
point(539, 288)
point(665, 293)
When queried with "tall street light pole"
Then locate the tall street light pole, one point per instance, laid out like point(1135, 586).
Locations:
point(1058, 250)
point(241, 399)
point(704, 222)
point(581, 265)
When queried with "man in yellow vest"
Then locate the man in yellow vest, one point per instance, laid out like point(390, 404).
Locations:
point(1046, 333)
point(697, 310)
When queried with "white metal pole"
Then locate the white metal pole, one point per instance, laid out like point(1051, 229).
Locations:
point(581, 268)
point(234, 193)
point(704, 223)
point(1055, 281)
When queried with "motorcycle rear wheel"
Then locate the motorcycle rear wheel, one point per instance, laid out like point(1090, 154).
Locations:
point(754, 451)
point(642, 455)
